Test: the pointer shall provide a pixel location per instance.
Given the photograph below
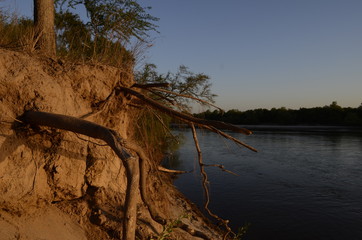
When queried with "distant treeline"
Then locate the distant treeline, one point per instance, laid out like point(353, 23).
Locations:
point(327, 115)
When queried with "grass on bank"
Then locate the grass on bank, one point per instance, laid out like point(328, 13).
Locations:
point(74, 42)
point(17, 33)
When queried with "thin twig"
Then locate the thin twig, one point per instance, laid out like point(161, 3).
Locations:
point(225, 135)
point(163, 169)
point(205, 187)
point(221, 167)
point(187, 96)
point(15, 119)
point(165, 127)
point(100, 108)
point(183, 116)
point(172, 102)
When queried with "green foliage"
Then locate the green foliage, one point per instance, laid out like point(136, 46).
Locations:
point(112, 23)
point(154, 126)
point(72, 34)
point(241, 232)
point(115, 20)
point(168, 228)
point(327, 115)
point(183, 82)
point(75, 41)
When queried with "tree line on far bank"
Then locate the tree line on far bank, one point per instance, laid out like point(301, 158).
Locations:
point(327, 115)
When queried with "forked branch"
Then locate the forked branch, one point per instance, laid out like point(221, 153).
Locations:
point(210, 125)
point(178, 94)
point(184, 116)
point(213, 126)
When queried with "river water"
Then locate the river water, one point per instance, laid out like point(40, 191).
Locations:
point(300, 185)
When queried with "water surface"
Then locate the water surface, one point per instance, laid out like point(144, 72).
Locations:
point(300, 185)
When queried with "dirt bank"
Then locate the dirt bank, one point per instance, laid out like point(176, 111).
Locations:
point(58, 185)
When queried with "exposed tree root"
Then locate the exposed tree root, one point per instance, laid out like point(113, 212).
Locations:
point(213, 126)
point(114, 140)
point(101, 106)
point(136, 165)
point(144, 169)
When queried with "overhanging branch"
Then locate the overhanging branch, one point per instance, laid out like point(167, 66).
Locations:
point(183, 116)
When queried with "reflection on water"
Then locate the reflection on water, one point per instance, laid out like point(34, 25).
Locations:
point(298, 186)
point(172, 156)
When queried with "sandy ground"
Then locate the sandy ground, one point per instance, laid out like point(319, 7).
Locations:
point(58, 185)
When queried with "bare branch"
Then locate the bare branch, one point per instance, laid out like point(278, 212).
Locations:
point(151, 85)
point(187, 96)
point(184, 116)
point(99, 108)
point(163, 169)
point(170, 101)
point(204, 184)
point(225, 135)
point(221, 167)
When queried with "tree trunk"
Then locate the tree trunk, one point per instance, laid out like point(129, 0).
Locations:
point(44, 14)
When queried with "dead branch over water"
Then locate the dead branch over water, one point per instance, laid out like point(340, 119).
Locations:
point(207, 124)
point(184, 116)
point(135, 163)
point(205, 184)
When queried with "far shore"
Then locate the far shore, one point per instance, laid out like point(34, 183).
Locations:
point(294, 128)
point(305, 128)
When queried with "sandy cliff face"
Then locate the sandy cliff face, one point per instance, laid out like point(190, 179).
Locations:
point(58, 185)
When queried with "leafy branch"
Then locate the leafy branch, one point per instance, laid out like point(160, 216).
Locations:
point(115, 20)
point(183, 86)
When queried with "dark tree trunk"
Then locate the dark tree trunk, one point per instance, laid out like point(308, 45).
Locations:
point(44, 14)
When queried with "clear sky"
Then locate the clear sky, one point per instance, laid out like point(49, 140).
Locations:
point(261, 53)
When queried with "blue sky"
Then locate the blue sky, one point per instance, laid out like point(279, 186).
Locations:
point(261, 53)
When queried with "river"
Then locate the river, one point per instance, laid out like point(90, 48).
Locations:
point(300, 185)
